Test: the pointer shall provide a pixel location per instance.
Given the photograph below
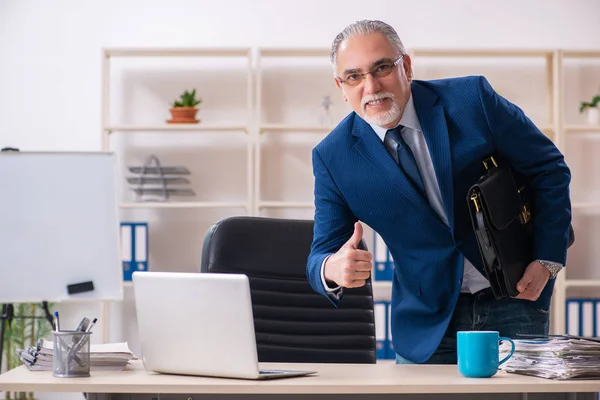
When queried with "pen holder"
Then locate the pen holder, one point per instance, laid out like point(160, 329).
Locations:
point(71, 354)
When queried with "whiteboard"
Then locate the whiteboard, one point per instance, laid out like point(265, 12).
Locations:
point(59, 225)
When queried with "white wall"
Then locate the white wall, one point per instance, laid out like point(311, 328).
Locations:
point(50, 50)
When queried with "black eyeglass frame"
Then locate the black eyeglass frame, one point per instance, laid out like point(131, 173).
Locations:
point(362, 77)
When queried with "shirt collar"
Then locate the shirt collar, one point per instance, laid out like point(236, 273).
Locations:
point(409, 119)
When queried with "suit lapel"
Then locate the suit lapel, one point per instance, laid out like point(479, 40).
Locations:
point(433, 123)
point(371, 147)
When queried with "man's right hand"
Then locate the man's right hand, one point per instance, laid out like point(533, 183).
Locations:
point(350, 267)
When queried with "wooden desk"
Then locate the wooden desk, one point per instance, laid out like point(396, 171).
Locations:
point(334, 381)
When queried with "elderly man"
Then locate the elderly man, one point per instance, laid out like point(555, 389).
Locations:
point(402, 163)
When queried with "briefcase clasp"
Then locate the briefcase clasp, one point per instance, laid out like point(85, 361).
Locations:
point(525, 215)
point(475, 200)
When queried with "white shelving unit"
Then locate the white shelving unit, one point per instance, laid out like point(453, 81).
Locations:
point(549, 59)
point(176, 127)
point(295, 128)
point(285, 204)
point(582, 128)
point(108, 128)
point(186, 204)
point(266, 128)
point(590, 208)
point(111, 128)
point(271, 118)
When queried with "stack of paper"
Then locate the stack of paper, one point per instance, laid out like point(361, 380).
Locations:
point(103, 357)
point(561, 357)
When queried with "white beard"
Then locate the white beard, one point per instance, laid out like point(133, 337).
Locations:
point(386, 117)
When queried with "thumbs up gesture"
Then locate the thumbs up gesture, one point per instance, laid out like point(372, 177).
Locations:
point(349, 267)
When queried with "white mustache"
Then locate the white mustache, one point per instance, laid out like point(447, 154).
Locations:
point(377, 96)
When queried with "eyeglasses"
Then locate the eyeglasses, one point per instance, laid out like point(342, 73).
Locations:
point(379, 71)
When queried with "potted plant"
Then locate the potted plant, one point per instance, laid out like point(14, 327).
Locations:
point(183, 111)
point(592, 109)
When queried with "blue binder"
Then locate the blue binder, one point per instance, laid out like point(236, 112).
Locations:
point(390, 353)
point(583, 317)
point(134, 248)
point(383, 262)
point(380, 311)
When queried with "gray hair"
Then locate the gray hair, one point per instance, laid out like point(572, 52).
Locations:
point(364, 28)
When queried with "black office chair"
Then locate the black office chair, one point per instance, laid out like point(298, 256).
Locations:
point(292, 322)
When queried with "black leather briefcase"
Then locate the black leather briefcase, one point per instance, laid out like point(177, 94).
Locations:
point(501, 213)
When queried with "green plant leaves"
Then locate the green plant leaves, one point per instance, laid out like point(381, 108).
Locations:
point(187, 99)
point(594, 103)
point(22, 332)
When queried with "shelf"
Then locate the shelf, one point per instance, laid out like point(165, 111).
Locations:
point(326, 129)
point(382, 290)
point(185, 204)
point(480, 53)
point(591, 208)
point(300, 52)
point(585, 206)
point(177, 52)
point(382, 284)
point(325, 52)
point(177, 127)
point(285, 204)
point(581, 54)
point(583, 128)
point(582, 282)
point(295, 128)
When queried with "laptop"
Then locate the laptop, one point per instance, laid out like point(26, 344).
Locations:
point(199, 324)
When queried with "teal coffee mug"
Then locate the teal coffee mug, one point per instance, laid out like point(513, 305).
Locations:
point(478, 353)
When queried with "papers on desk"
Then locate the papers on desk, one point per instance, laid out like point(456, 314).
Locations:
point(103, 357)
point(560, 358)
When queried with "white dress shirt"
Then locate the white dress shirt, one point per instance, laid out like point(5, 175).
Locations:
point(473, 280)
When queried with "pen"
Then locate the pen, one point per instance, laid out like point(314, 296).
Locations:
point(56, 322)
point(89, 328)
point(74, 349)
point(82, 327)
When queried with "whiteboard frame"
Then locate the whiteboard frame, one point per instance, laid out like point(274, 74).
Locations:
point(70, 203)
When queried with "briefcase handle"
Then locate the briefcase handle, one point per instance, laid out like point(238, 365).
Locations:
point(490, 164)
point(488, 160)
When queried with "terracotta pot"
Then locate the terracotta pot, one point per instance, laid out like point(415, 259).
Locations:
point(183, 115)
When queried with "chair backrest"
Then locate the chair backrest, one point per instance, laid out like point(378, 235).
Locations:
point(293, 323)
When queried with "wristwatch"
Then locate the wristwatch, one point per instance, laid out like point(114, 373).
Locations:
point(554, 268)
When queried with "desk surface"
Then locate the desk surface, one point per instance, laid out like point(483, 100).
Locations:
point(331, 378)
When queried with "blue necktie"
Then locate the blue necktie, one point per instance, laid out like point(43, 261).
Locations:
point(406, 159)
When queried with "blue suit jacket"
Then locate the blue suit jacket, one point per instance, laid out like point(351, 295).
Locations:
point(463, 121)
